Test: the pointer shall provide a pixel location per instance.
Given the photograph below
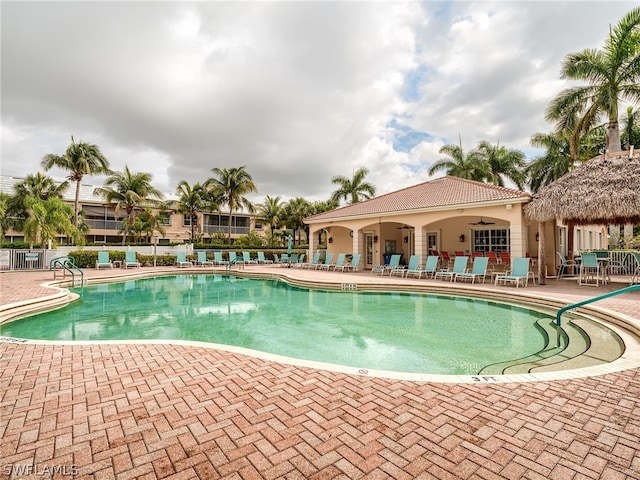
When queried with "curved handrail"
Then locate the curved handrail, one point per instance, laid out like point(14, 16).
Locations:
point(68, 264)
point(585, 302)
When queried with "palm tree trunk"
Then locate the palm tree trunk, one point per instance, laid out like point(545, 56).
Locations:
point(542, 256)
point(613, 136)
point(76, 204)
point(229, 227)
point(570, 228)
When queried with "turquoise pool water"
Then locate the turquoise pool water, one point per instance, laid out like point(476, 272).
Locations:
point(401, 332)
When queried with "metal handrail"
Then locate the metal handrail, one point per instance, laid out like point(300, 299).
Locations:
point(68, 264)
point(585, 302)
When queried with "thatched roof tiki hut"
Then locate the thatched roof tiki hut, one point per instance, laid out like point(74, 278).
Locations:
point(602, 191)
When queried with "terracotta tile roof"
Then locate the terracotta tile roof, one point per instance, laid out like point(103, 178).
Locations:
point(440, 192)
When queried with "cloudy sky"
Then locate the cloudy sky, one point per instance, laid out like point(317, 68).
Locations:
point(297, 92)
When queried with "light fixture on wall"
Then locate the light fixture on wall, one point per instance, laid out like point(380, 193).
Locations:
point(375, 239)
point(461, 238)
point(406, 239)
point(537, 236)
point(330, 240)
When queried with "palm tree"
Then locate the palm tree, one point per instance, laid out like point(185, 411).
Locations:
point(296, 210)
point(354, 189)
point(5, 215)
point(272, 212)
point(47, 219)
point(553, 164)
point(502, 163)
point(130, 192)
point(230, 188)
point(192, 200)
point(40, 186)
point(459, 164)
point(612, 74)
point(79, 159)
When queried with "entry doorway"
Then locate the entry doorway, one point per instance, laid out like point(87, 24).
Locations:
point(369, 252)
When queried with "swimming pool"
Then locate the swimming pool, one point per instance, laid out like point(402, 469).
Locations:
point(402, 332)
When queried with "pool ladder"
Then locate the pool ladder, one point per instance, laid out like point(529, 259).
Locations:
point(67, 264)
point(236, 261)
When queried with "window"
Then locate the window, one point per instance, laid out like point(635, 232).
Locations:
point(164, 218)
point(496, 240)
point(188, 220)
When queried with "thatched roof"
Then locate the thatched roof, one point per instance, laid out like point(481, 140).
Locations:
point(603, 190)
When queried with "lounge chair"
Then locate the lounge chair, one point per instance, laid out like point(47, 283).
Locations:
point(431, 267)
point(505, 258)
point(103, 260)
point(181, 260)
point(446, 259)
point(519, 273)
point(300, 261)
point(414, 267)
point(276, 259)
point(353, 264)
point(459, 266)
point(130, 260)
point(394, 263)
point(234, 259)
point(340, 265)
point(284, 260)
point(246, 258)
point(327, 262)
point(315, 261)
point(478, 270)
point(218, 260)
point(202, 259)
point(262, 260)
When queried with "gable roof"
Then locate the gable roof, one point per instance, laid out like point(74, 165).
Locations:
point(433, 194)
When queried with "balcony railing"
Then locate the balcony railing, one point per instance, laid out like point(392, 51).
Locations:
point(208, 229)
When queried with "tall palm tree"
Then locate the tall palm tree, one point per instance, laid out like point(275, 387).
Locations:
point(130, 192)
point(612, 75)
point(47, 219)
point(552, 164)
point(272, 212)
point(502, 163)
point(36, 185)
point(230, 188)
point(79, 159)
point(192, 200)
point(354, 189)
point(459, 164)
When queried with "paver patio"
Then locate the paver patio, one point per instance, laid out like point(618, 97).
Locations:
point(172, 411)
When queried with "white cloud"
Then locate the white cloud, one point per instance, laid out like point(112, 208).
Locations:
point(296, 91)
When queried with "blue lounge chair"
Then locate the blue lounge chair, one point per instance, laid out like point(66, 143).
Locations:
point(103, 260)
point(431, 267)
point(246, 258)
point(519, 273)
point(394, 262)
point(130, 260)
point(459, 266)
point(284, 260)
point(202, 259)
point(262, 260)
point(340, 265)
point(315, 261)
point(354, 263)
point(181, 260)
point(414, 263)
point(414, 267)
point(478, 270)
point(218, 260)
point(327, 262)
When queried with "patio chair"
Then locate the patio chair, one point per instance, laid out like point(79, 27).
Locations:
point(103, 260)
point(414, 263)
point(431, 266)
point(445, 259)
point(218, 260)
point(246, 258)
point(262, 260)
point(354, 263)
point(414, 267)
point(459, 266)
point(202, 260)
point(394, 263)
point(181, 260)
point(340, 265)
point(519, 273)
point(300, 261)
point(505, 258)
point(315, 261)
point(564, 266)
point(130, 260)
point(478, 270)
point(327, 262)
point(589, 273)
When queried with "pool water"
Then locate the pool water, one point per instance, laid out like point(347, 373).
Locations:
point(401, 332)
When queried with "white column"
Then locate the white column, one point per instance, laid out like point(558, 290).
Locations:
point(518, 240)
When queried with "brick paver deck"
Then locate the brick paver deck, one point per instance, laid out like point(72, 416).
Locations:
point(171, 411)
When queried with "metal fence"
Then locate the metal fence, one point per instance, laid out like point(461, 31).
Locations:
point(27, 259)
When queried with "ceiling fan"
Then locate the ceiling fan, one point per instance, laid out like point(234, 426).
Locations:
point(482, 222)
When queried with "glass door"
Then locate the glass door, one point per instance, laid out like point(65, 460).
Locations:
point(368, 251)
